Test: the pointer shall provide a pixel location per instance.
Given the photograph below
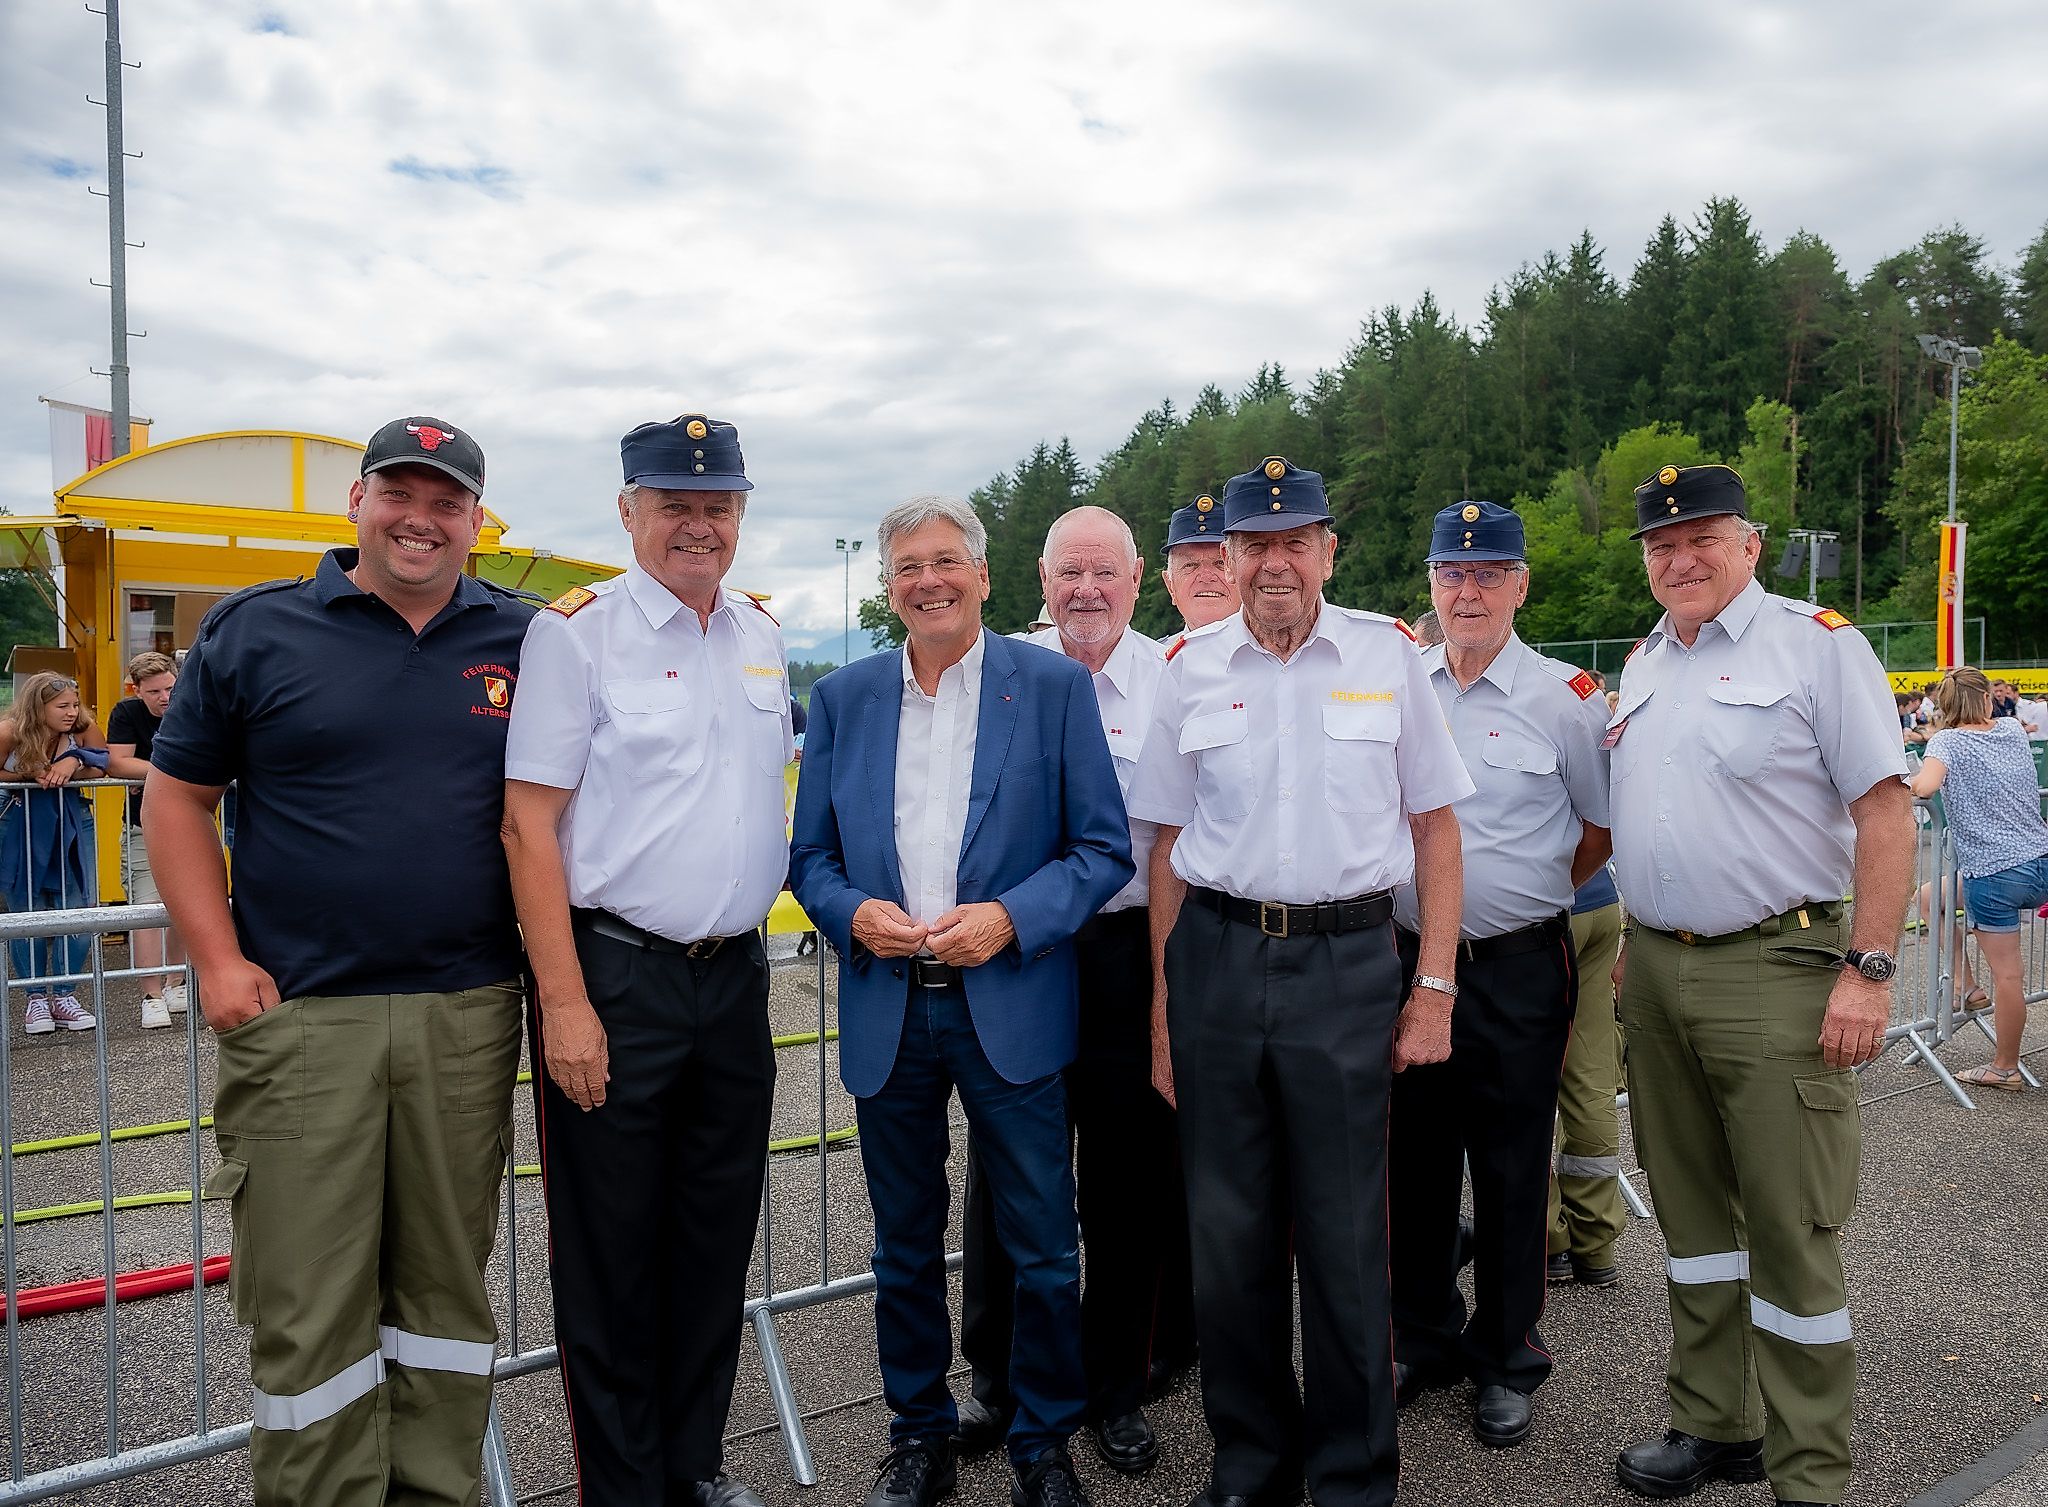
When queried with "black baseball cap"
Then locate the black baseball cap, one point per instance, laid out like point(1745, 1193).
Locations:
point(426, 441)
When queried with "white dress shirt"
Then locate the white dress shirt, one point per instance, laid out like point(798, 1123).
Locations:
point(1735, 760)
point(1125, 688)
point(674, 738)
point(1529, 729)
point(1293, 781)
point(934, 770)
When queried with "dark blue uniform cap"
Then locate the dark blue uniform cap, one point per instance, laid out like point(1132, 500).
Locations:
point(1677, 493)
point(687, 454)
point(1278, 495)
point(1476, 531)
point(1200, 522)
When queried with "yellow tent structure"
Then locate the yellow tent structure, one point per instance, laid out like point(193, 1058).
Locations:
point(133, 552)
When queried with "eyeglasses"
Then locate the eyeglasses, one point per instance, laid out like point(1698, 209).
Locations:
point(1489, 577)
point(945, 565)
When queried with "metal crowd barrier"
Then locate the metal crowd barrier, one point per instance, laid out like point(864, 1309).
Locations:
point(785, 1286)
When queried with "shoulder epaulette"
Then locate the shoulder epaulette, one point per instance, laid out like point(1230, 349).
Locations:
point(1583, 684)
point(1830, 619)
point(572, 601)
point(759, 602)
point(1175, 647)
point(236, 599)
point(1632, 651)
point(1402, 624)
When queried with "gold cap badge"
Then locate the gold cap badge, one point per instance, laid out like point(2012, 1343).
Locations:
point(1275, 467)
point(696, 429)
point(1204, 503)
point(1471, 513)
point(1667, 476)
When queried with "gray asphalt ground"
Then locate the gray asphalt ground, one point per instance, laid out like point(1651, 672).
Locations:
point(1948, 1263)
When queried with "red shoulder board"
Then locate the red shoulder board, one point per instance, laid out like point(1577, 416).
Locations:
point(1583, 684)
point(1407, 630)
point(572, 601)
point(1632, 651)
point(757, 600)
point(1178, 645)
point(1831, 620)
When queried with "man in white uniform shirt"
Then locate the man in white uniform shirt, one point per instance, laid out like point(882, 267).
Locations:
point(1300, 770)
point(644, 827)
point(1136, 1300)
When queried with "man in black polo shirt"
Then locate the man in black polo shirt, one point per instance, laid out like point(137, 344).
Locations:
point(365, 986)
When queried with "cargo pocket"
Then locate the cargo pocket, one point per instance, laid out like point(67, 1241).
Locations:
point(491, 1019)
point(1830, 1150)
point(225, 1181)
point(260, 1089)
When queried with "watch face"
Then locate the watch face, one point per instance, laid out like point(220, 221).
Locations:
point(1877, 967)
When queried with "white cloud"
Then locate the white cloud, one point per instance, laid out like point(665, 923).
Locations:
point(898, 244)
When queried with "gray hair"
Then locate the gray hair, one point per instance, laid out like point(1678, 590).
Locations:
point(1081, 514)
point(632, 489)
point(931, 507)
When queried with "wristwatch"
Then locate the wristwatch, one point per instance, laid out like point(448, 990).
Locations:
point(1442, 986)
point(1875, 965)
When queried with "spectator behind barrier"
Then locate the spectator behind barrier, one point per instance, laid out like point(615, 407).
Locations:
point(131, 730)
point(1985, 771)
point(1911, 729)
point(46, 837)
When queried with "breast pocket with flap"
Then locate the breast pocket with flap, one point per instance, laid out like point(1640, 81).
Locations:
point(1221, 744)
point(1358, 757)
point(658, 729)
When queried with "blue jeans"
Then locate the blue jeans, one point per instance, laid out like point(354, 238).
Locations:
point(1995, 901)
point(44, 956)
point(1020, 1134)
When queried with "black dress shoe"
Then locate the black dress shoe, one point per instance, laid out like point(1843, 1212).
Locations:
point(1048, 1481)
point(1410, 1383)
point(915, 1473)
point(1502, 1416)
point(1127, 1443)
point(723, 1491)
point(1680, 1464)
point(1558, 1268)
point(1586, 1274)
point(981, 1427)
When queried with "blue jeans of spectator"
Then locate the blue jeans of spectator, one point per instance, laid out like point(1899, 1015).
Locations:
point(42, 957)
point(1020, 1134)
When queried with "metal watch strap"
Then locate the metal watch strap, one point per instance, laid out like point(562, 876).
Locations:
point(1442, 986)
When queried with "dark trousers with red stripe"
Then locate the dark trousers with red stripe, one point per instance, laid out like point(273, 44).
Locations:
point(1492, 1104)
point(1137, 1288)
point(653, 1200)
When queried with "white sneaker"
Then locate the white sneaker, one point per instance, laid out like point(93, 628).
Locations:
point(175, 998)
point(70, 1014)
point(154, 1013)
point(37, 1022)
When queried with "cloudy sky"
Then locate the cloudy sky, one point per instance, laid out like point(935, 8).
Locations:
point(897, 243)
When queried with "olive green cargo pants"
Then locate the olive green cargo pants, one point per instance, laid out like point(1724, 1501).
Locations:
point(1586, 1212)
point(1752, 1146)
point(361, 1141)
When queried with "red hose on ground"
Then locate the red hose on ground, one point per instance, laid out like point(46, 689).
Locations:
point(68, 1297)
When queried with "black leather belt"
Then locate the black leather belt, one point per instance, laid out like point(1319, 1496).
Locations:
point(1278, 920)
point(619, 929)
point(930, 973)
point(1512, 944)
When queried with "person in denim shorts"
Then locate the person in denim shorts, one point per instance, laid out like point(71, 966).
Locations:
point(1985, 772)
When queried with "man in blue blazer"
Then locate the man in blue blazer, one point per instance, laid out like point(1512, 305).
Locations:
point(957, 820)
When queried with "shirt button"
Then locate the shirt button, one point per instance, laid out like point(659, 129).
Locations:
point(1285, 859)
point(1286, 794)
point(727, 763)
point(1667, 758)
point(1286, 729)
point(1665, 877)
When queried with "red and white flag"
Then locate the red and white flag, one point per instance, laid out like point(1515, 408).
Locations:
point(82, 438)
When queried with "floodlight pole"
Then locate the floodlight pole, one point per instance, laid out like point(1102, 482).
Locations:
point(117, 232)
point(847, 548)
point(1955, 387)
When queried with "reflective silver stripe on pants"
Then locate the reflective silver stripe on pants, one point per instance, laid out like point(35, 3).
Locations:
point(1821, 1329)
point(304, 1409)
point(1695, 1271)
point(426, 1352)
point(1587, 1166)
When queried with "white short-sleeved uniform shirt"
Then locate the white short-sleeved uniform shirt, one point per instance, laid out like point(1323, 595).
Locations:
point(1293, 781)
point(1126, 687)
point(1529, 730)
point(673, 737)
point(1734, 762)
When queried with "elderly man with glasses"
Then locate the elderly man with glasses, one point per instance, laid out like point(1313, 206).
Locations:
point(1529, 730)
point(958, 820)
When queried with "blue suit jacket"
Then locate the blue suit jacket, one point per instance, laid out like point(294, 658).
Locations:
point(1046, 835)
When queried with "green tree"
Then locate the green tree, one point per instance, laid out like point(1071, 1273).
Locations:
point(1723, 355)
point(1649, 323)
point(2030, 295)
